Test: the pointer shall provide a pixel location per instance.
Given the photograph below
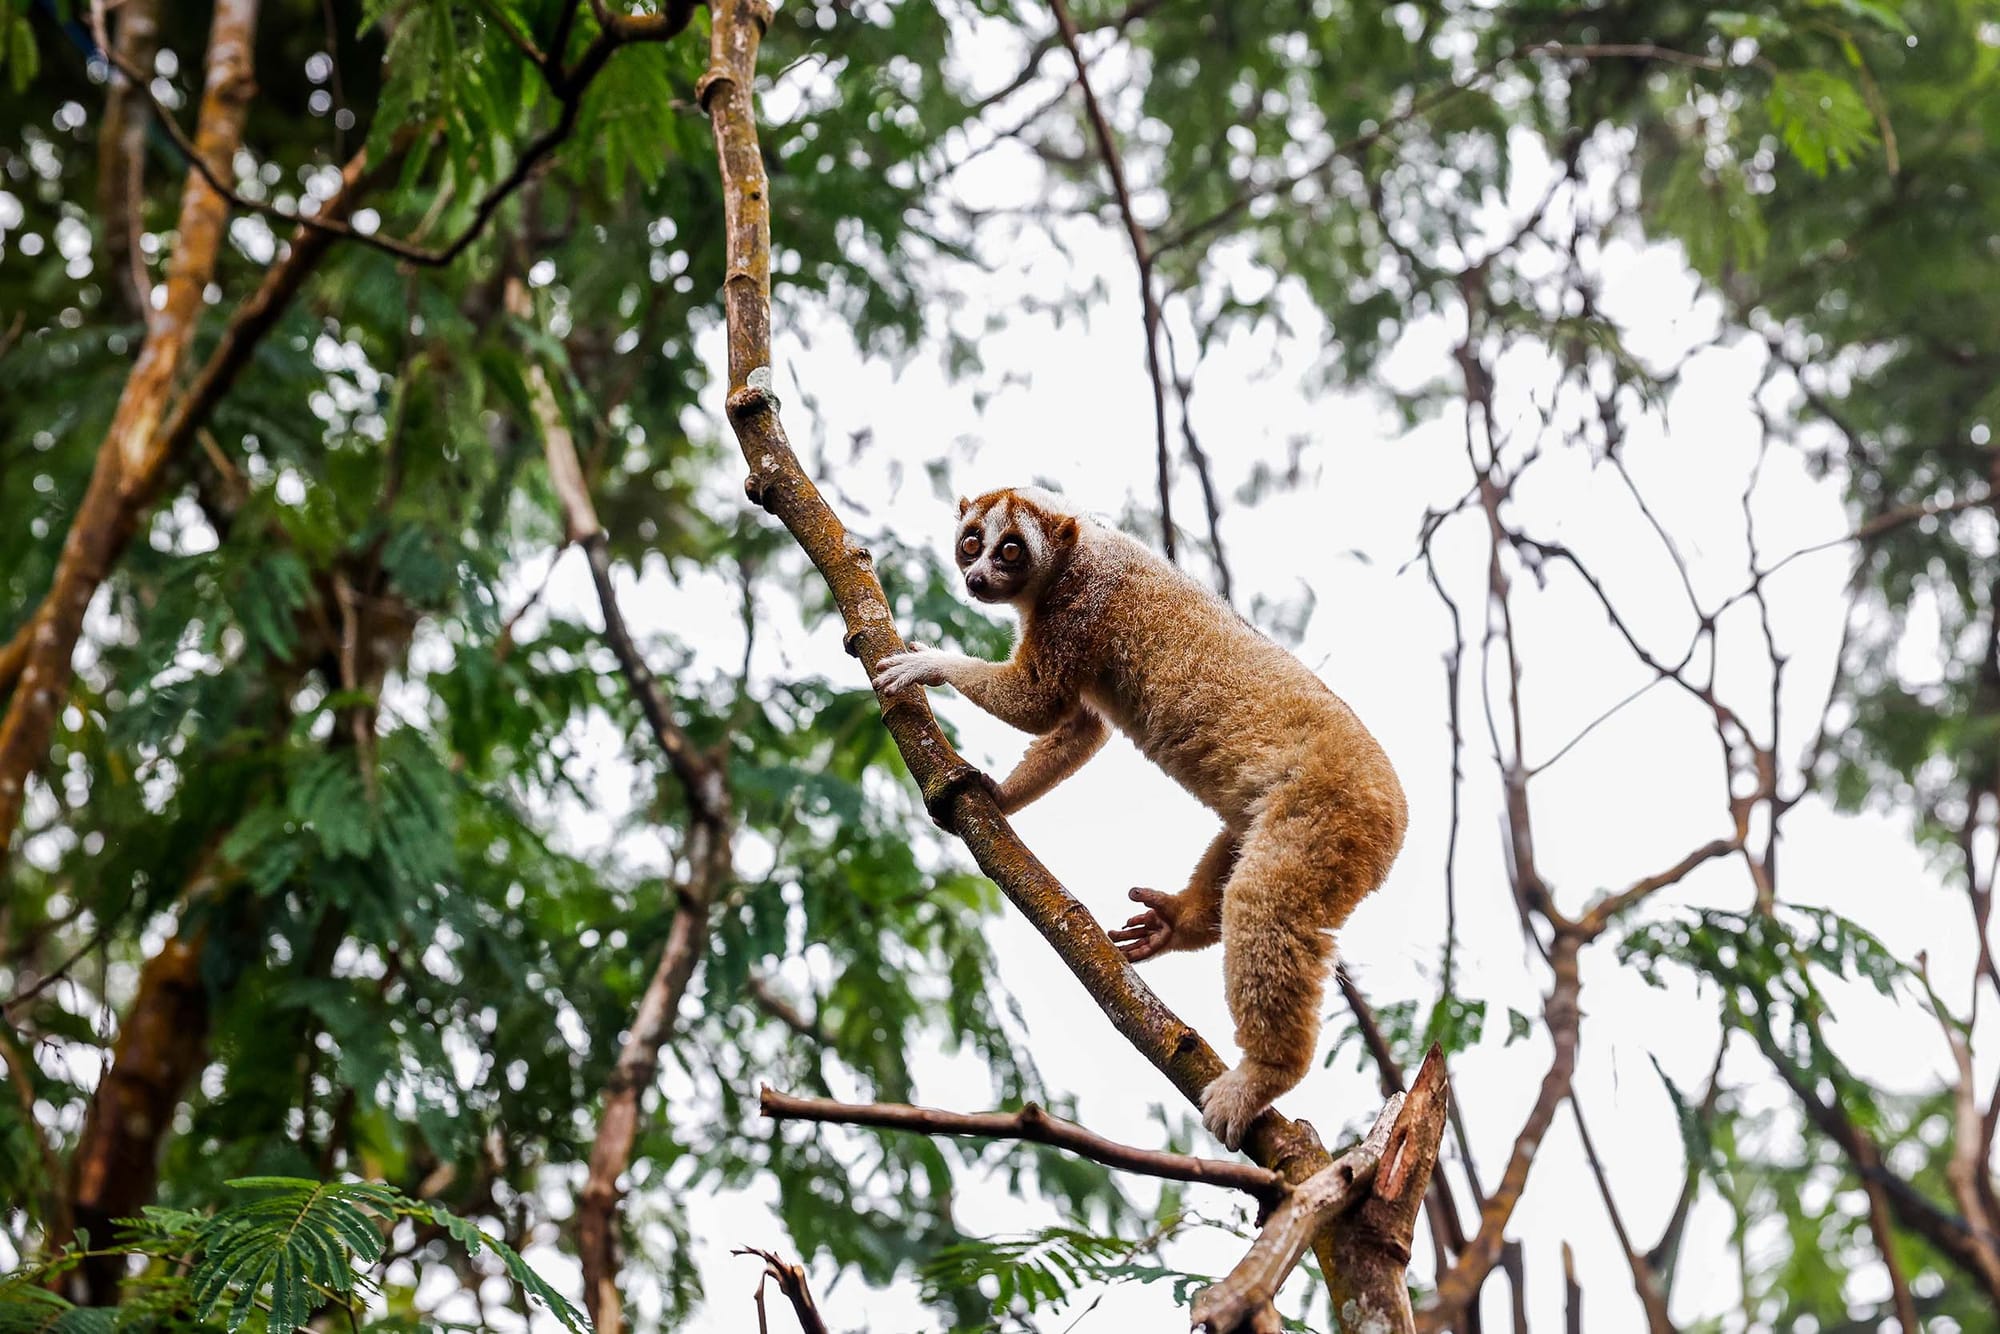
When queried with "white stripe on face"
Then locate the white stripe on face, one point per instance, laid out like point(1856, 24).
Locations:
point(1011, 515)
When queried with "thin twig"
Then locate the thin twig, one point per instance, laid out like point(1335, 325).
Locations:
point(791, 1280)
point(1033, 1124)
point(568, 86)
point(1114, 165)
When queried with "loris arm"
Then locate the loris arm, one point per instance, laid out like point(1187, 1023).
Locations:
point(1034, 701)
point(1054, 756)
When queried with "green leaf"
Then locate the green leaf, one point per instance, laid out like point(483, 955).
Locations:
point(1821, 117)
point(19, 55)
point(470, 1236)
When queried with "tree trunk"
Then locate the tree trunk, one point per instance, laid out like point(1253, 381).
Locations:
point(121, 158)
point(162, 1045)
point(128, 460)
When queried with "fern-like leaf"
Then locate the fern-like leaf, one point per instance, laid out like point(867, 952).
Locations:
point(289, 1249)
point(469, 1236)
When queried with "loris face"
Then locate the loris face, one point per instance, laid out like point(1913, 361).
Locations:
point(1010, 542)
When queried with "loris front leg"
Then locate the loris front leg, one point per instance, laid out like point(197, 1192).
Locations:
point(1030, 700)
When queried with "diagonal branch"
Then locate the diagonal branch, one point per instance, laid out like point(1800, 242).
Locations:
point(1646, 1280)
point(129, 459)
point(1035, 1125)
point(1142, 252)
point(709, 856)
point(955, 792)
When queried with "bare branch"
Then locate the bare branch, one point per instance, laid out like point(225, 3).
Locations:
point(1203, 470)
point(709, 856)
point(1967, 1165)
point(1645, 1279)
point(1594, 922)
point(1457, 1289)
point(1572, 1294)
point(1035, 1125)
point(1142, 253)
point(792, 1282)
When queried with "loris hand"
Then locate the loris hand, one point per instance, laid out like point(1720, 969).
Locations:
point(1152, 931)
point(912, 667)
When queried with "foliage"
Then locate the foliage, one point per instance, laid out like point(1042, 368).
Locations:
point(289, 1253)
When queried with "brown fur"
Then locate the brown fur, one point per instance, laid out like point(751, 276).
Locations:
point(1312, 812)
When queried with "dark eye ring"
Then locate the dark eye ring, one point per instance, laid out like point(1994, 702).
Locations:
point(970, 545)
point(1010, 550)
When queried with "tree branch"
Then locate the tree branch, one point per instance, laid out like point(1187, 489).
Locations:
point(1457, 1289)
point(121, 150)
point(1378, 1186)
point(792, 1282)
point(709, 854)
point(1035, 1125)
point(1282, 1242)
point(952, 789)
point(1646, 1281)
point(1107, 148)
point(129, 458)
point(1371, 1247)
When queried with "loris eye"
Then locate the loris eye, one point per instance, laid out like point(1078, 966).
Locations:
point(1010, 550)
point(969, 545)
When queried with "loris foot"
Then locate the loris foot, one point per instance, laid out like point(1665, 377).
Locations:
point(1237, 1097)
point(1152, 931)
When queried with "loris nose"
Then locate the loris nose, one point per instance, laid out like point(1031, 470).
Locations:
point(976, 581)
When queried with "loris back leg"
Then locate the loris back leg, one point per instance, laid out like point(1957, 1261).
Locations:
point(1307, 860)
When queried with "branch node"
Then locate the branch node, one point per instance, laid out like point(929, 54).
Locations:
point(943, 790)
point(755, 396)
point(708, 83)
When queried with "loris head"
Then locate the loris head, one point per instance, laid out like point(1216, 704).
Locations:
point(1012, 542)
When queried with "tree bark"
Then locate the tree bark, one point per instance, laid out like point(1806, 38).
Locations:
point(162, 1044)
point(710, 859)
point(129, 460)
point(121, 157)
point(1371, 1245)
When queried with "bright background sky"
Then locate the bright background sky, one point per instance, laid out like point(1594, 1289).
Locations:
point(1071, 406)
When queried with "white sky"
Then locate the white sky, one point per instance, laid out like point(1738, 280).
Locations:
point(1633, 798)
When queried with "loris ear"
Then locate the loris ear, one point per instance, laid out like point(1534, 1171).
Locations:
point(963, 506)
point(1063, 530)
